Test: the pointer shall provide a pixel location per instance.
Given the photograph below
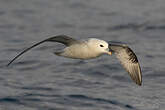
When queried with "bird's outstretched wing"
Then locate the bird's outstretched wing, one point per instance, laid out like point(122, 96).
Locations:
point(59, 38)
point(129, 61)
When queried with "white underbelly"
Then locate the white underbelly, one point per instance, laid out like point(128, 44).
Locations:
point(79, 53)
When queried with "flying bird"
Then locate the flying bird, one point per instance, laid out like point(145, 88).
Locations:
point(93, 48)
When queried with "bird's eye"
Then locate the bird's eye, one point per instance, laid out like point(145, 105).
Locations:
point(101, 46)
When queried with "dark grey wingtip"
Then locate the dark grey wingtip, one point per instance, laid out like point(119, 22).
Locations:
point(140, 78)
point(25, 51)
point(136, 77)
point(139, 83)
point(58, 38)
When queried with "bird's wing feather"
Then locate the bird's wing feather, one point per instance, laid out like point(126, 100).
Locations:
point(59, 38)
point(66, 40)
point(129, 61)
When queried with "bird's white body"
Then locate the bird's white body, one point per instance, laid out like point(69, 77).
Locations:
point(86, 49)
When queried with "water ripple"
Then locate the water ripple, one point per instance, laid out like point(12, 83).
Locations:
point(37, 88)
point(10, 100)
point(78, 99)
point(135, 26)
point(64, 25)
point(7, 26)
point(2, 13)
point(101, 100)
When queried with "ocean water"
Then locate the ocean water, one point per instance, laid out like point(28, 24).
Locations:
point(39, 80)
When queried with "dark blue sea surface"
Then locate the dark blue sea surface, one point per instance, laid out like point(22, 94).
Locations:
point(39, 80)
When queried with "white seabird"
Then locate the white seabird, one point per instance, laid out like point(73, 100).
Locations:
point(92, 48)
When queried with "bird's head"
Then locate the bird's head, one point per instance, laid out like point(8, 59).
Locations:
point(99, 46)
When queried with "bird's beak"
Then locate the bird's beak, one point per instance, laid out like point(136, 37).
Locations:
point(109, 50)
point(109, 53)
